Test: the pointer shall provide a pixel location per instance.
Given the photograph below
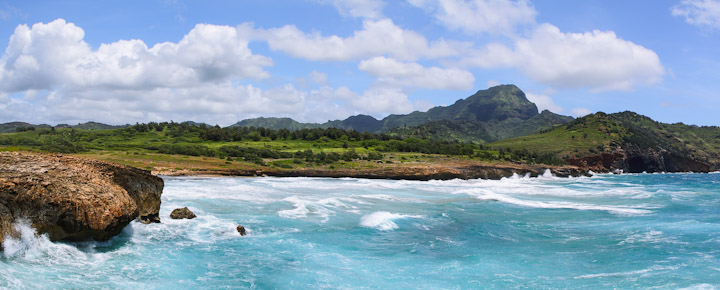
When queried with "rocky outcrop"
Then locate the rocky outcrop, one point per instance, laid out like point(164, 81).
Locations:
point(632, 159)
point(182, 213)
point(650, 160)
point(241, 230)
point(71, 198)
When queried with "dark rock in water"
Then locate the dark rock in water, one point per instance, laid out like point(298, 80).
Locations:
point(70, 198)
point(241, 230)
point(150, 219)
point(182, 213)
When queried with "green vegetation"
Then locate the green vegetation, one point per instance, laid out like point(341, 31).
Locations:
point(259, 146)
point(600, 132)
point(463, 130)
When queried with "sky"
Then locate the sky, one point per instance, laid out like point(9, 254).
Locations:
point(220, 62)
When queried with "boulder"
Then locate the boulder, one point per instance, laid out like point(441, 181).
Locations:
point(72, 198)
point(241, 230)
point(182, 213)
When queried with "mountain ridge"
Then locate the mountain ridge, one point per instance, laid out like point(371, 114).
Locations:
point(496, 113)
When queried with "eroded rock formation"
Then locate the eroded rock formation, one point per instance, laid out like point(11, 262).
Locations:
point(182, 213)
point(635, 160)
point(71, 198)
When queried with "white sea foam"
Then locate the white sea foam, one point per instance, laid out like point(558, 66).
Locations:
point(652, 236)
point(547, 174)
point(38, 249)
point(489, 195)
point(629, 273)
point(382, 220)
point(703, 286)
point(322, 208)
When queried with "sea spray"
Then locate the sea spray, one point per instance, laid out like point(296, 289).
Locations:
point(382, 220)
point(27, 239)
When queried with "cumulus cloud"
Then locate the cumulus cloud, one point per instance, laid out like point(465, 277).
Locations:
point(544, 102)
point(377, 37)
point(580, 112)
point(357, 8)
point(318, 78)
point(701, 13)
point(492, 83)
point(598, 60)
point(55, 54)
point(389, 71)
point(55, 76)
point(313, 78)
point(383, 101)
point(480, 16)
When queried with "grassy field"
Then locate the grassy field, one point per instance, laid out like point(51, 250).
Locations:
point(582, 137)
point(174, 147)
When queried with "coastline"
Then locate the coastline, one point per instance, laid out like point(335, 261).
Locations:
point(417, 172)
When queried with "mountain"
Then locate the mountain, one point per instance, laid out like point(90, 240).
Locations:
point(478, 131)
point(14, 126)
point(627, 141)
point(97, 126)
point(489, 115)
point(275, 124)
point(498, 103)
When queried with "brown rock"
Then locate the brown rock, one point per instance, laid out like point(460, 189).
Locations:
point(241, 230)
point(182, 213)
point(71, 198)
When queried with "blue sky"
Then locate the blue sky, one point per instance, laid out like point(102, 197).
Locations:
point(315, 60)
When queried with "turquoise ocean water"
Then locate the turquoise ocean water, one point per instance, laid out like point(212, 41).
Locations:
point(624, 231)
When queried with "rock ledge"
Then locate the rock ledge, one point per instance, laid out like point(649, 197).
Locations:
point(71, 198)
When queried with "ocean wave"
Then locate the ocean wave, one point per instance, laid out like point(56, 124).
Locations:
point(652, 236)
point(629, 273)
point(322, 208)
point(487, 195)
point(38, 249)
point(383, 220)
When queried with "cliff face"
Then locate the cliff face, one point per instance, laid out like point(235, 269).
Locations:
point(635, 160)
point(73, 198)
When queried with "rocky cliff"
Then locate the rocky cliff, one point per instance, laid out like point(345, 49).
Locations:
point(72, 198)
point(633, 159)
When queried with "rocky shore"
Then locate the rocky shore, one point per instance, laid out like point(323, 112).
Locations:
point(71, 198)
point(633, 159)
point(433, 171)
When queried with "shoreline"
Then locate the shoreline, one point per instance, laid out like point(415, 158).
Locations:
point(421, 173)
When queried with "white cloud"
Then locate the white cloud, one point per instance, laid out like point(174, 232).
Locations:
point(580, 112)
point(480, 16)
point(492, 83)
point(357, 8)
point(55, 76)
point(318, 78)
point(598, 60)
point(392, 72)
point(383, 101)
point(314, 77)
point(55, 54)
point(381, 37)
point(701, 13)
point(544, 102)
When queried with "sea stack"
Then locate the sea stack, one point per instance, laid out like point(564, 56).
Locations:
point(182, 213)
point(241, 230)
point(72, 198)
